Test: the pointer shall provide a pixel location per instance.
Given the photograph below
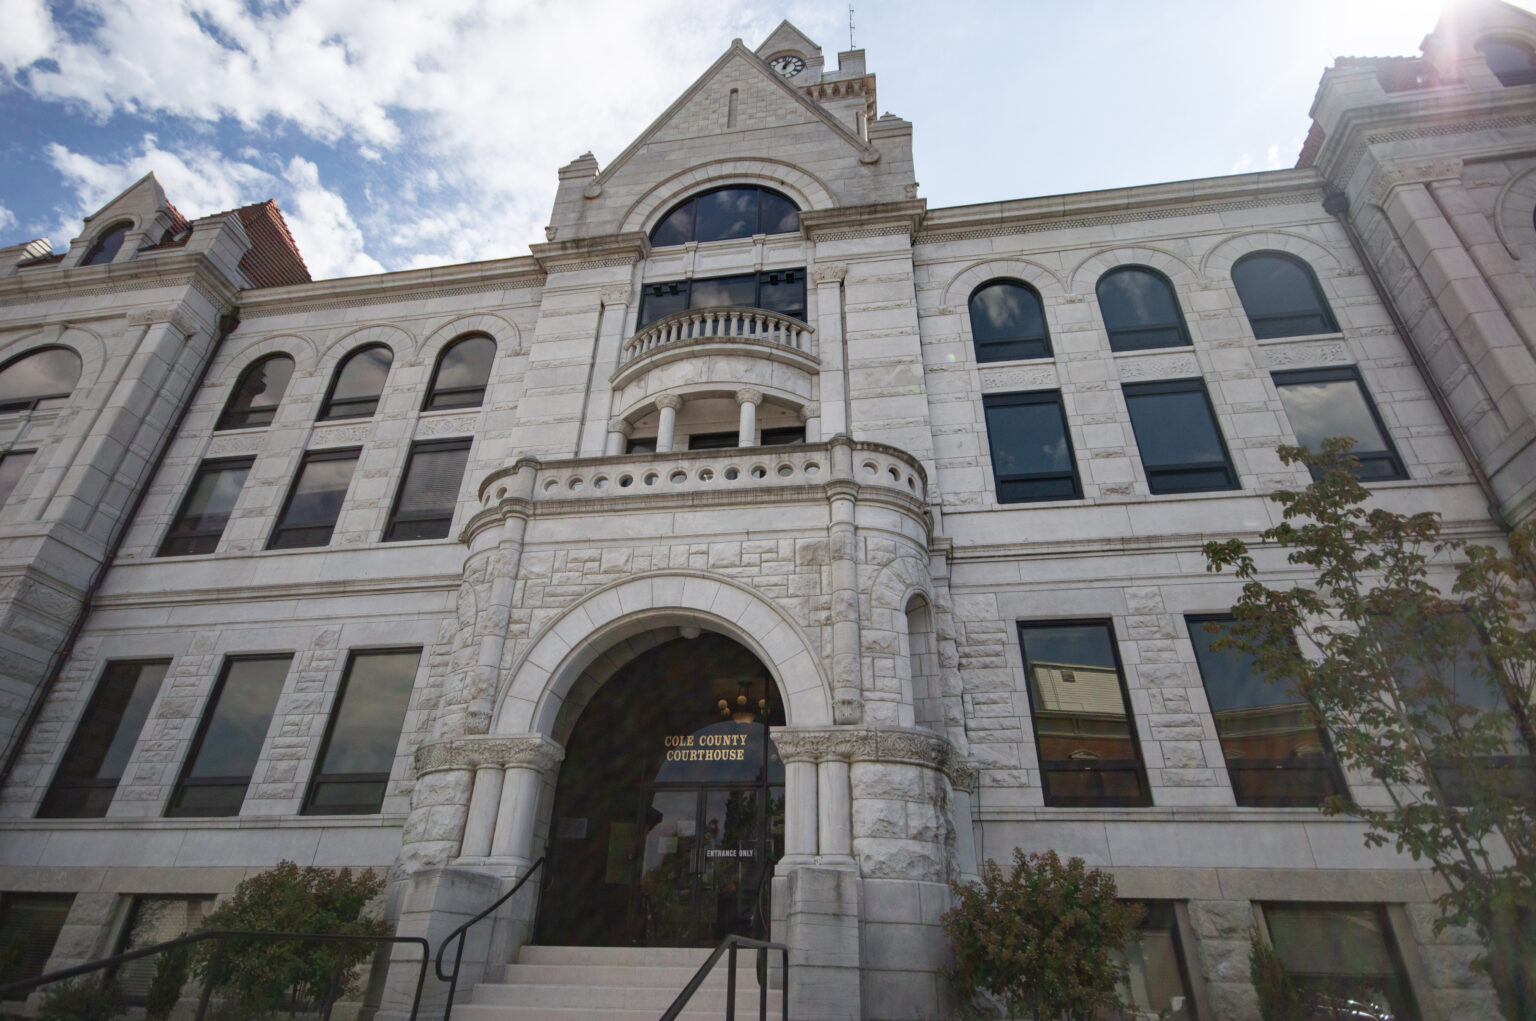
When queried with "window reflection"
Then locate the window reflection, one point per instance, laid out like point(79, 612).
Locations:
point(235, 726)
point(1343, 957)
point(1032, 457)
point(1281, 296)
point(1008, 322)
point(39, 380)
point(365, 730)
point(732, 212)
point(257, 395)
point(1140, 310)
point(1326, 403)
point(358, 383)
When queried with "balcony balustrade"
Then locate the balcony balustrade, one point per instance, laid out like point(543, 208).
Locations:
point(729, 325)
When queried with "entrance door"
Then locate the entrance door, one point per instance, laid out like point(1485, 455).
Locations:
point(704, 865)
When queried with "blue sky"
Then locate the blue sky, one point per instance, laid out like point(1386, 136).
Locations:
point(403, 133)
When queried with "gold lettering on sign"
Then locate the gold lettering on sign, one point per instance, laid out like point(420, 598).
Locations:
point(706, 747)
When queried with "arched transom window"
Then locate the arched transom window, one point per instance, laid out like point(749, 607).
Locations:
point(1513, 63)
point(107, 245)
point(358, 383)
point(39, 379)
point(737, 211)
point(461, 374)
point(1140, 310)
point(1281, 296)
point(1008, 322)
point(258, 393)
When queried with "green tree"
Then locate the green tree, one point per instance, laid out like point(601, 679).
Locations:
point(1418, 657)
point(262, 976)
point(1044, 937)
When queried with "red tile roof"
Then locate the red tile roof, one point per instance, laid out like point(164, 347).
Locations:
point(274, 259)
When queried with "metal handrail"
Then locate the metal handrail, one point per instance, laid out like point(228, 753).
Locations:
point(18, 990)
point(462, 931)
point(733, 943)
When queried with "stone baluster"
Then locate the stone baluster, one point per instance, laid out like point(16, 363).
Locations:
point(749, 399)
point(666, 427)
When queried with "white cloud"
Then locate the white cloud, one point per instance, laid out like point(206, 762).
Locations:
point(1243, 165)
point(7, 221)
point(1272, 157)
point(28, 34)
point(327, 236)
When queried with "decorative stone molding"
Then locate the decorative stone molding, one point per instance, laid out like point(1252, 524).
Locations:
point(1325, 353)
point(176, 318)
point(853, 744)
point(612, 296)
point(672, 401)
point(829, 273)
point(244, 443)
point(964, 776)
point(621, 426)
point(1024, 377)
point(1394, 175)
point(342, 433)
point(1164, 366)
point(456, 425)
point(530, 750)
point(747, 395)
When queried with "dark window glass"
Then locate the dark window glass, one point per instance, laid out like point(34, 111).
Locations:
point(39, 380)
point(200, 522)
point(314, 502)
point(1323, 403)
point(107, 246)
point(358, 382)
point(1281, 296)
point(732, 212)
point(88, 777)
point(787, 436)
point(1008, 322)
point(1032, 456)
point(153, 919)
point(1513, 63)
point(1083, 733)
point(1140, 310)
point(712, 441)
point(12, 465)
point(429, 491)
point(1470, 686)
point(30, 924)
point(1181, 446)
point(641, 445)
point(257, 394)
point(1343, 956)
point(223, 756)
point(461, 374)
point(1276, 753)
point(781, 291)
point(364, 733)
point(1156, 977)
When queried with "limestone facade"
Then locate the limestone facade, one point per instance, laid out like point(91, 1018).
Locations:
point(872, 569)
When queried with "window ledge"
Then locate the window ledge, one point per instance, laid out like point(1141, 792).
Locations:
point(265, 822)
point(1300, 338)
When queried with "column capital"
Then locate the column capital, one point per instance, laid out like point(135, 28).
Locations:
point(747, 395)
point(672, 401)
point(611, 296)
point(531, 751)
point(620, 426)
point(829, 273)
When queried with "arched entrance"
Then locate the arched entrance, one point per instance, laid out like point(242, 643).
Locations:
point(669, 805)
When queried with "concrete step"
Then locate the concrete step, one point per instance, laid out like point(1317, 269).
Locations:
point(653, 999)
point(687, 957)
point(473, 1012)
point(622, 975)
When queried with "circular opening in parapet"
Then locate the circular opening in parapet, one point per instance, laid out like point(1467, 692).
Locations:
point(759, 472)
point(501, 492)
point(812, 468)
point(911, 483)
point(650, 479)
point(732, 473)
point(575, 484)
point(871, 468)
point(601, 482)
point(706, 475)
point(678, 477)
point(551, 485)
point(625, 481)
point(895, 475)
point(786, 470)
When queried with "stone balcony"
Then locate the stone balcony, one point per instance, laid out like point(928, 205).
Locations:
point(718, 348)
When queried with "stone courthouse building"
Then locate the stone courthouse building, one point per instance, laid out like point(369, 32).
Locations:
point(761, 551)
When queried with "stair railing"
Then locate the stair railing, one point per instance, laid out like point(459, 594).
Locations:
point(462, 931)
point(732, 944)
point(20, 990)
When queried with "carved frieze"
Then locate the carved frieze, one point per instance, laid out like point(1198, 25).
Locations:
point(522, 750)
point(454, 425)
point(1331, 352)
point(1021, 377)
point(1164, 366)
point(246, 443)
point(859, 744)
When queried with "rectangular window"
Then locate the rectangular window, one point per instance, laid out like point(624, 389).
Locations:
point(1325, 403)
point(429, 491)
point(1276, 753)
point(1343, 957)
point(785, 437)
point(154, 919)
point(1181, 446)
point(314, 503)
point(235, 724)
point(365, 729)
point(1032, 457)
point(641, 445)
point(1087, 746)
point(712, 441)
point(1156, 982)
point(200, 522)
point(30, 924)
point(12, 465)
point(88, 777)
point(781, 290)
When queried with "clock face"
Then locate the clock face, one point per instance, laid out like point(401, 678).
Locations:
point(788, 65)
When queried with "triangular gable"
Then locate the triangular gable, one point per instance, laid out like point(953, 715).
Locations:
point(142, 199)
point(780, 87)
point(787, 37)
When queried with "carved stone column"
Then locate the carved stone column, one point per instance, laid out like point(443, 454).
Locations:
point(801, 817)
point(847, 654)
point(610, 340)
point(618, 436)
point(828, 278)
point(749, 399)
point(666, 426)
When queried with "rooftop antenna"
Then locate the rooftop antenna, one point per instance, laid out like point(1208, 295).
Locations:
point(850, 26)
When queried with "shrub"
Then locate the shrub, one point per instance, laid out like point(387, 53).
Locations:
point(1280, 999)
point(172, 969)
point(80, 999)
point(1043, 937)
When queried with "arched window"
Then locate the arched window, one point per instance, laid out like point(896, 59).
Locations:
point(738, 211)
point(1008, 322)
point(39, 379)
point(257, 395)
point(107, 245)
point(461, 373)
point(1281, 296)
point(357, 384)
point(1512, 62)
point(1140, 310)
